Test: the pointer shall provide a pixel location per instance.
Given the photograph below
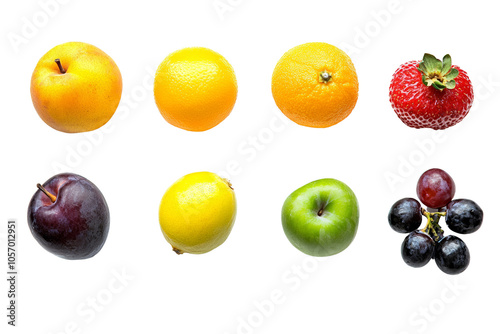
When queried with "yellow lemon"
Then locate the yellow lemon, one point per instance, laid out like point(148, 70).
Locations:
point(197, 213)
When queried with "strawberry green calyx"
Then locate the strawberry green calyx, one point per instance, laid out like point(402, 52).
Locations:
point(437, 73)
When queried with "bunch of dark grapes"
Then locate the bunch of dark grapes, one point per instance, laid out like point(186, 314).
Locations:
point(436, 190)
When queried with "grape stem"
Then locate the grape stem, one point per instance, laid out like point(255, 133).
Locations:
point(432, 227)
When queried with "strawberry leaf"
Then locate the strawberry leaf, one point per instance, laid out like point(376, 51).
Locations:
point(431, 63)
point(452, 75)
point(446, 64)
point(421, 67)
point(425, 81)
point(451, 84)
point(438, 85)
point(439, 66)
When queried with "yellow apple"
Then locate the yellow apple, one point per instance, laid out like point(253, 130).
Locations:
point(76, 87)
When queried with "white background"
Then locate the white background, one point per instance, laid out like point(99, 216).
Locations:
point(365, 289)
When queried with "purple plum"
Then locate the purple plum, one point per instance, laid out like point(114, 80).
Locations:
point(69, 217)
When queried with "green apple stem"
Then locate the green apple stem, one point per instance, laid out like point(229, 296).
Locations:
point(49, 195)
point(61, 69)
point(320, 212)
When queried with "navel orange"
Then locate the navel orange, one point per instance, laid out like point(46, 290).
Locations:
point(315, 85)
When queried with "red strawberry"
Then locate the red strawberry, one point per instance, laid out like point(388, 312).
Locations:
point(431, 93)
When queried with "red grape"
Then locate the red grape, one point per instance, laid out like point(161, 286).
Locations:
point(435, 188)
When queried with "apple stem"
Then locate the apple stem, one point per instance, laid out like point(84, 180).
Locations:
point(61, 69)
point(49, 195)
point(320, 212)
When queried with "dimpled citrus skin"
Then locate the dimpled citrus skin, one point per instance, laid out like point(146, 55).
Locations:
point(419, 106)
point(302, 97)
point(195, 88)
point(82, 99)
point(197, 213)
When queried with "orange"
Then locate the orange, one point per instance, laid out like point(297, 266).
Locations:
point(195, 89)
point(82, 94)
point(315, 85)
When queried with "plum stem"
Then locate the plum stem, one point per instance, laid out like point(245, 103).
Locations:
point(61, 69)
point(49, 195)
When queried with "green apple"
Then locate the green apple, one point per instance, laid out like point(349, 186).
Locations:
point(321, 218)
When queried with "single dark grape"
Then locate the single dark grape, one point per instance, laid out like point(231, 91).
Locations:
point(417, 249)
point(463, 216)
point(435, 188)
point(405, 215)
point(452, 255)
